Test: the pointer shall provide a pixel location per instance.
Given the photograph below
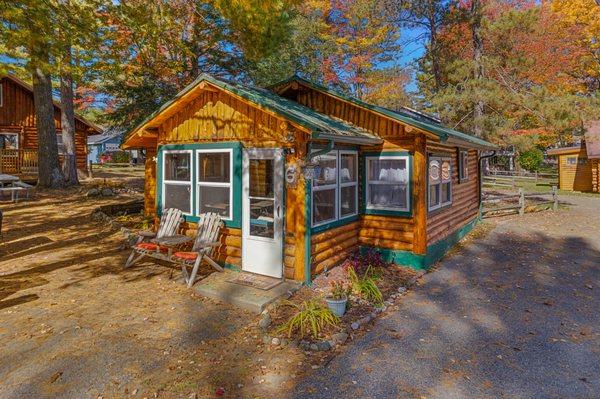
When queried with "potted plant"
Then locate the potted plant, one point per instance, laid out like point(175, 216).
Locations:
point(338, 297)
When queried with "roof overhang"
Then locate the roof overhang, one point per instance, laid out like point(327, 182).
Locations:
point(346, 140)
point(564, 151)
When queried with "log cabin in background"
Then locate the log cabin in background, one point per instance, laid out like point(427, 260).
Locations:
point(18, 134)
point(302, 175)
point(579, 166)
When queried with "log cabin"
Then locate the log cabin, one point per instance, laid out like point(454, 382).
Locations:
point(18, 134)
point(579, 165)
point(303, 175)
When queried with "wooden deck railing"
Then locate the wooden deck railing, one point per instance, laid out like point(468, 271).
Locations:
point(19, 162)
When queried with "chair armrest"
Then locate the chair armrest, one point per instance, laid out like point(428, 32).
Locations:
point(146, 233)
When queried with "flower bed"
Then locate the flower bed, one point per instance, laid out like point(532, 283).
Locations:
point(388, 278)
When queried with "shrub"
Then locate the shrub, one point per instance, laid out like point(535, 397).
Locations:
point(120, 157)
point(361, 262)
point(312, 317)
point(531, 160)
point(365, 286)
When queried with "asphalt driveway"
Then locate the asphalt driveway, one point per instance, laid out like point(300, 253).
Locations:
point(512, 315)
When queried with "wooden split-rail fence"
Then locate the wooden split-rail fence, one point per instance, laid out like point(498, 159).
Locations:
point(512, 179)
point(520, 206)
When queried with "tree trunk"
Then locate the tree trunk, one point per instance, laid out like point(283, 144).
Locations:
point(67, 119)
point(478, 105)
point(433, 46)
point(49, 173)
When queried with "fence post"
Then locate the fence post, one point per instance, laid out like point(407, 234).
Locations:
point(90, 173)
point(536, 177)
point(521, 202)
point(554, 199)
point(513, 181)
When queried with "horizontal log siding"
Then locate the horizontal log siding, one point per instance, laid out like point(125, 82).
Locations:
point(28, 140)
point(215, 116)
point(465, 198)
point(576, 177)
point(330, 247)
point(595, 175)
point(230, 250)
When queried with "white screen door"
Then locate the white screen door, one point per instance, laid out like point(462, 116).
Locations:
point(262, 212)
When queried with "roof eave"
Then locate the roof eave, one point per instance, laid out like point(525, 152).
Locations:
point(346, 139)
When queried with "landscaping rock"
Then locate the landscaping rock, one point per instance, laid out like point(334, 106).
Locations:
point(265, 322)
point(275, 341)
point(339, 338)
point(266, 339)
point(365, 320)
point(107, 192)
point(94, 192)
point(355, 325)
point(293, 343)
point(314, 347)
point(284, 341)
point(323, 345)
point(305, 345)
point(402, 290)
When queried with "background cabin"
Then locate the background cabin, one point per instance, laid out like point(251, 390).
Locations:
point(579, 166)
point(18, 135)
point(302, 175)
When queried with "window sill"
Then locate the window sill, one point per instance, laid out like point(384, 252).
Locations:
point(441, 209)
point(387, 212)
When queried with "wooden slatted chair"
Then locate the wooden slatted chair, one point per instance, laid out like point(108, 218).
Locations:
point(207, 238)
point(147, 245)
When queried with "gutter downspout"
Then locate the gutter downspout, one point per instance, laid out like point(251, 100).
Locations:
point(480, 186)
point(308, 211)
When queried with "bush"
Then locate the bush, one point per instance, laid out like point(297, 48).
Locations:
point(365, 286)
point(361, 262)
point(531, 160)
point(312, 317)
point(120, 157)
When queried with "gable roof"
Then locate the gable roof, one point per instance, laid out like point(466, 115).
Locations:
point(564, 150)
point(29, 88)
point(320, 125)
point(417, 119)
point(101, 138)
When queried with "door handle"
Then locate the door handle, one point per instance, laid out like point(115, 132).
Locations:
point(278, 211)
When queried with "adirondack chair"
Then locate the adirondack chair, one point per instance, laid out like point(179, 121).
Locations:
point(146, 244)
point(207, 238)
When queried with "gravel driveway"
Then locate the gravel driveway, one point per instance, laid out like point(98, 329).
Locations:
point(512, 315)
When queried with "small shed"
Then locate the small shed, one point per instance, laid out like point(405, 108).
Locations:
point(302, 175)
point(579, 165)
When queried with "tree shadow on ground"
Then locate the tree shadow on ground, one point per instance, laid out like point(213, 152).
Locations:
point(512, 315)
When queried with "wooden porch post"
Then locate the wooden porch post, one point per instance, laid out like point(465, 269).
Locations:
point(420, 195)
point(150, 183)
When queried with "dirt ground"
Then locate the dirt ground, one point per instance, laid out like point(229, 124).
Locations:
point(74, 324)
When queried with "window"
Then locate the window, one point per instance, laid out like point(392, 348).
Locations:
point(9, 141)
point(214, 193)
point(463, 165)
point(571, 160)
point(440, 182)
point(335, 187)
point(387, 185)
point(177, 180)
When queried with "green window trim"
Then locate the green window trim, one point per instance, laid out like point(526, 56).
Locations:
point(386, 212)
point(236, 178)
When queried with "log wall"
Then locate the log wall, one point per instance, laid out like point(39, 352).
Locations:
point(595, 163)
point(577, 177)
point(17, 115)
point(215, 116)
point(465, 197)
